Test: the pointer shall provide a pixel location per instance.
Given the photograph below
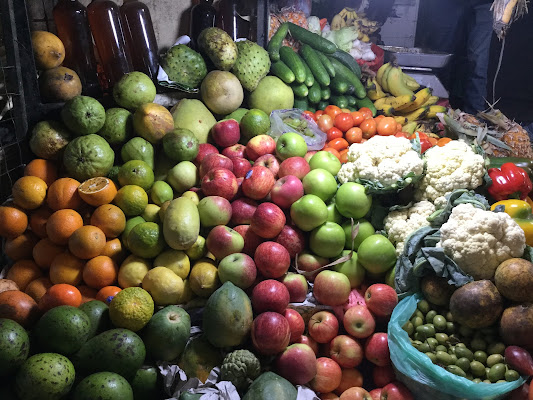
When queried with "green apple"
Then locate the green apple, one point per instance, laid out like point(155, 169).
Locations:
point(365, 230)
point(291, 144)
point(327, 240)
point(351, 200)
point(377, 254)
point(320, 183)
point(389, 277)
point(325, 160)
point(308, 212)
point(183, 176)
point(333, 214)
point(352, 269)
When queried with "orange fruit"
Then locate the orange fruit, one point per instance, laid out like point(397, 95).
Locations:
point(44, 169)
point(29, 192)
point(107, 293)
point(20, 307)
point(63, 193)
point(13, 222)
point(59, 295)
point(110, 219)
point(114, 249)
point(45, 251)
point(62, 224)
point(87, 242)
point(99, 272)
point(38, 287)
point(97, 191)
point(20, 247)
point(87, 293)
point(23, 272)
point(66, 268)
point(38, 220)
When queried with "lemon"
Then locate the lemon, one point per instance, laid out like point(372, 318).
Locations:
point(187, 294)
point(164, 285)
point(163, 209)
point(151, 213)
point(193, 196)
point(132, 271)
point(254, 122)
point(161, 192)
point(131, 199)
point(131, 308)
point(175, 260)
point(204, 278)
point(198, 249)
point(146, 240)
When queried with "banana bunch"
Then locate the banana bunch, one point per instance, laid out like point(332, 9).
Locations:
point(349, 17)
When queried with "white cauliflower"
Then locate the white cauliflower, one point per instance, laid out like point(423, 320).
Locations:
point(385, 159)
point(453, 166)
point(400, 224)
point(478, 240)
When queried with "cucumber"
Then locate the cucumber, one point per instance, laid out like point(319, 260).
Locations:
point(314, 94)
point(311, 108)
point(294, 62)
point(299, 89)
point(326, 63)
point(300, 103)
point(312, 39)
point(282, 71)
point(343, 72)
point(366, 102)
point(276, 41)
point(340, 101)
point(339, 86)
point(325, 93)
point(348, 61)
point(311, 58)
point(351, 101)
point(309, 77)
point(322, 105)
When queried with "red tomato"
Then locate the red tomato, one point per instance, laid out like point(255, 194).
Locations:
point(332, 151)
point(338, 144)
point(401, 134)
point(332, 110)
point(310, 115)
point(343, 156)
point(367, 112)
point(345, 110)
point(358, 117)
point(368, 127)
point(379, 117)
point(398, 127)
point(424, 141)
point(318, 114)
point(386, 126)
point(344, 121)
point(325, 122)
point(334, 133)
point(354, 135)
point(442, 141)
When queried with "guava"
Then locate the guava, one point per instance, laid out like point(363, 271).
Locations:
point(48, 138)
point(87, 157)
point(83, 115)
point(138, 149)
point(118, 126)
point(133, 90)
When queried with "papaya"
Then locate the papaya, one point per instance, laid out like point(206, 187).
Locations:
point(270, 386)
point(227, 317)
point(199, 358)
point(181, 224)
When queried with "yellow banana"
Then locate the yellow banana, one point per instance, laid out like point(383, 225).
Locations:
point(417, 114)
point(370, 84)
point(400, 120)
point(430, 101)
point(382, 102)
point(433, 110)
point(420, 98)
point(337, 22)
point(385, 109)
point(410, 82)
point(380, 73)
point(343, 13)
point(376, 93)
point(395, 83)
point(409, 127)
point(400, 102)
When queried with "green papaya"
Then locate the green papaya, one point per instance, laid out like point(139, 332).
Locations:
point(270, 386)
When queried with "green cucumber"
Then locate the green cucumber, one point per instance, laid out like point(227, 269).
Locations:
point(314, 94)
point(300, 103)
point(326, 63)
point(339, 86)
point(325, 93)
point(299, 89)
point(276, 41)
point(343, 72)
point(348, 61)
point(312, 39)
point(311, 58)
point(340, 101)
point(294, 62)
point(351, 101)
point(366, 102)
point(309, 77)
point(282, 71)
point(322, 105)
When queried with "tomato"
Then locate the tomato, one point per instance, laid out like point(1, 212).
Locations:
point(345, 110)
point(310, 115)
point(333, 133)
point(442, 141)
point(318, 114)
point(343, 156)
point(354, 135)
point(60, 294)
point(398, 127)
point(338, 144)
point(379, 117)
point(344, 121)
point(332, 151)
point(421, 135)
point(325, 122)
point(401, 134)
point(424, 141)
point(368, 127)
point(332, 110)
point(367, 112)
point(358, 117)
point(386, 126)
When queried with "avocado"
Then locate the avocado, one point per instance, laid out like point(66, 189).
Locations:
point(146, 383)
point(98, 313)
point(14, 346)
point(103, 386)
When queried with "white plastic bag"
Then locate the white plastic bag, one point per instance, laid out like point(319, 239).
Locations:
point(294, 120)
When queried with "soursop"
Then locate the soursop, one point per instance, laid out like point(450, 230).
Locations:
point(252, 65)
point(185, 66)
point(219, 47)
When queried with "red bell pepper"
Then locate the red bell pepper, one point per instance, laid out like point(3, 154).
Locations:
point(509, 182)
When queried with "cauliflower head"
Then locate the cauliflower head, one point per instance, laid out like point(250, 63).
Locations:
point(400, 224)
point(450, 167)
point(385, 159)
point(478, 240)
point(240, 367)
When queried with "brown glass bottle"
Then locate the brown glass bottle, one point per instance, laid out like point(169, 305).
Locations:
point(70, 17)
point(104, 20)
point(140, 36)
point(203, 16)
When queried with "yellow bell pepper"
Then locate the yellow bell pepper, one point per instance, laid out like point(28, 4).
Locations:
point(521, 212)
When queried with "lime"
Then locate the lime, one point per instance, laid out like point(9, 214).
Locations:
point(117, 126)
point(180, 145)
point(132, 271)
point(146, 240)
point(198, 249)
point(204, 278)
point(164, 285)
point(130, 224)
point(131, 308)
point(131, 199)
point(175, 260)
point(151, 213)
point(254, 122)
point(136, 172)
point(161, 192)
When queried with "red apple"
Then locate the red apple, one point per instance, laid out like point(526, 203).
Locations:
point(239, 189)
point(359, 322)
point(297, 286)
point(214, 161)
point(241, 166)
point(296, 166)
point(328, 375)
point(323, 326)
point(251, 240)
point(382, 376)
point(269, 161)
point(381, 299)
point(223, 241)
point(286, 191)
point(355, 393)
point(220, 182)
point(203, 150)
point(270, 295)
point(396, 391)
point(350, 378)
point(258, 182)
point(309, 154)
point(272, 259)
point(236, 151)
point(308, 340)
point(242, 210)
point(268, 220)
point(260, 145)
point(297, 364)
point(331, 288)
point(328, 396)
point(521, 393)
point(375, 394)
point(239, 269)
point(226, 132)
point(270, 333)
point(346, 351)
point(293, 239)
point(309, 262)
point(296, 323)
point(377, 349)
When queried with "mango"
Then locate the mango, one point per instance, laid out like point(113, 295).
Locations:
point(192, 114)
point(181, 223)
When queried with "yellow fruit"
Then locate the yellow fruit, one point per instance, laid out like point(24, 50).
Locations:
point(132, 271)
point(151, 213)
point(131, 308)
point(197, 250)
point(164, 285)
point(193, 196)
point(131, 199)
point(29, 192)
point(97, 191)
point(175, 260)
point(204, 278)
point(187, 294)
point(152, 122)
point(48, 49)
